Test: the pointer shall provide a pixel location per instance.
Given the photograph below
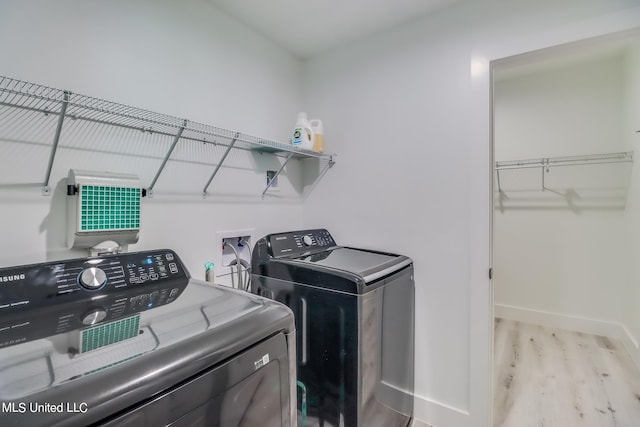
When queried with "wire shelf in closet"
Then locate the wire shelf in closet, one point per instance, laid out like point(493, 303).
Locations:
point(35, 115)
point(586, 181)
point(591, 159)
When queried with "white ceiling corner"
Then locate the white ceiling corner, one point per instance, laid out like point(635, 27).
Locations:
point(308, 27)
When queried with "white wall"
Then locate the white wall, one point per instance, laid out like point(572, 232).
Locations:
point(409, 117)
point(631, 310)
point(180, 58)
point(561, 251)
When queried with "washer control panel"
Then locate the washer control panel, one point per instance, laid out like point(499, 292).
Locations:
point(45, 284)
point(300, 242)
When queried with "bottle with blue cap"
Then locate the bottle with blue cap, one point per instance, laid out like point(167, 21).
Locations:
point(302, 133)
point(208, 272)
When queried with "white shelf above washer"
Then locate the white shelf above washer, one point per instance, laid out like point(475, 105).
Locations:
point(23, 106)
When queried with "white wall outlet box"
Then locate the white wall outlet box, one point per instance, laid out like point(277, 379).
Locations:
point(242, 241)
point(274, 185)
point(242, 245)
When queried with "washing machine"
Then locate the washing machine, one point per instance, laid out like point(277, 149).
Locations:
point(131, 340)
point(354, 314)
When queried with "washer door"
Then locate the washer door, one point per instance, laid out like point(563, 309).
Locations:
point(250, 390)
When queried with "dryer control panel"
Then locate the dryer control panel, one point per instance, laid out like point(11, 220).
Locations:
point(21, 326)
point(86, 279)
point(299, 242)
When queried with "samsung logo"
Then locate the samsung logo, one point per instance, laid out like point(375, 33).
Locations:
point(12, 278)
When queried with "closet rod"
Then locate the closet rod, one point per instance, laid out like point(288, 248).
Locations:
point(621, 157)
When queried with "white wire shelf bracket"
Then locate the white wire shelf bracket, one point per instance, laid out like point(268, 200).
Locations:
point(545, 163)
point(31, 98)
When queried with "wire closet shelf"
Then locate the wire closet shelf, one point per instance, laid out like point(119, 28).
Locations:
point(545, 163)
point(35, 98)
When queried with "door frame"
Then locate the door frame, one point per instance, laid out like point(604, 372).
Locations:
point(482, 62)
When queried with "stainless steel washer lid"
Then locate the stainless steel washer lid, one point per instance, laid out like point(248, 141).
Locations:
point(311, 257)
point(367, 264)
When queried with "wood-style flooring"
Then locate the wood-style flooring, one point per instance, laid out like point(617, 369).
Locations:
point(556, 378)
point(417, 423)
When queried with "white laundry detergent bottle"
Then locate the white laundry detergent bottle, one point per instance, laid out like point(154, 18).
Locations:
point(302, 133)
point(318, 135)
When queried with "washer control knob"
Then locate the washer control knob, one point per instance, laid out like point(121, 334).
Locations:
point(307, 240)
point(93, 278)
point(94, 316)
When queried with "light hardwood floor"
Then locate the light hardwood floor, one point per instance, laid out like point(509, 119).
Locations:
point(551, 377)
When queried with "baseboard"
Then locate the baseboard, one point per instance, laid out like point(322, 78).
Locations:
point(439, 414)
point(572, 323)
point(631, 345)
point(559, 321)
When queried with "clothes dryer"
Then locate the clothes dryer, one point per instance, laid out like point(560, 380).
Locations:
point(131, 340)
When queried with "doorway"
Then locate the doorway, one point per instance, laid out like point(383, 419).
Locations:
point(566, 221)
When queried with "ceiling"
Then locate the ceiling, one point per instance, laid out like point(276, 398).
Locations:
point(308, 27)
